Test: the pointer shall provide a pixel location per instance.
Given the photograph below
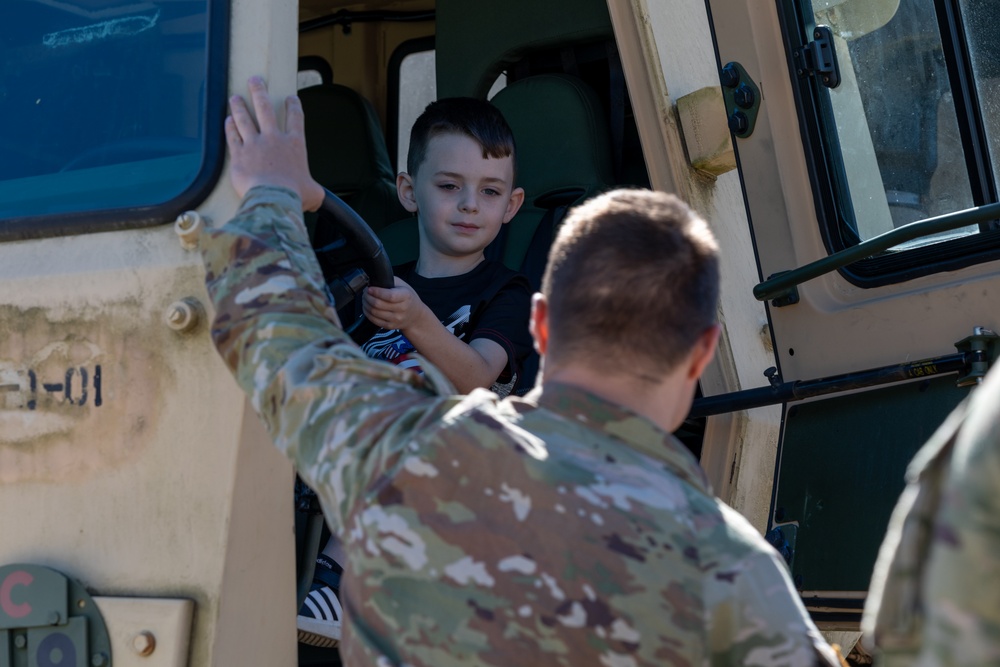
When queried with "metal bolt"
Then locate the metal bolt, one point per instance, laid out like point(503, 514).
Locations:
point(188, 227)
point(183, 315)
point(739, 123)
point(98, 660)
point(187, 220)
point(144, 643)
point(20, 641)
point(744, 96)
point(730, 76)
point(54, 618)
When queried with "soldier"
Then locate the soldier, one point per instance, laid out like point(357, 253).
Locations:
point(935, 594)
point(567, 527)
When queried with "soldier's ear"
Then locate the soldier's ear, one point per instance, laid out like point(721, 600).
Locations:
point(539, 323)
point(703, 351)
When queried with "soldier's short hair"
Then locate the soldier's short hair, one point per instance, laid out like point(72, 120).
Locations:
point(632, 281)
point(477, 119)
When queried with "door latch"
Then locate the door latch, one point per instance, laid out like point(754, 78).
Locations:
point(819, 58)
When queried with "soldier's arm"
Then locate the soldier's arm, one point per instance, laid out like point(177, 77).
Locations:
point(756, 616)
point(961, 585)
point(339, 416)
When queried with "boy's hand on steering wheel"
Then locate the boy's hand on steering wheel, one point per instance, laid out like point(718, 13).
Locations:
point(395, 308)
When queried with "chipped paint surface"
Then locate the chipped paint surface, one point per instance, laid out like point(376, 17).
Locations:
point(75, 395)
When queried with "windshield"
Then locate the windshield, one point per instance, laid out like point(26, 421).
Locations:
point(102, 104)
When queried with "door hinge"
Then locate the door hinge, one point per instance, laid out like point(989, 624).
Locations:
point(819, 58)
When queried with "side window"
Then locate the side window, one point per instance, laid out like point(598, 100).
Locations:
point(417, 89)
point(412, 86)
point(307, 78)
point(109, 119)
point(313, 71)
point(910, 132)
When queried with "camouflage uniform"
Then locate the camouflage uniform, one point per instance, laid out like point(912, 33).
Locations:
point(935, 596)
point(556, 529)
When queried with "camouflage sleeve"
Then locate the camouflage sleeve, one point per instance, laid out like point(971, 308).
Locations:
point(756, 616)
point(338, 415)
point(962, 580)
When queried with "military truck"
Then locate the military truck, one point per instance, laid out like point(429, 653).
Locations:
point(845, 152)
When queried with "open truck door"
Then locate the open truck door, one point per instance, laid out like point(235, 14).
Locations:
point(866, 140)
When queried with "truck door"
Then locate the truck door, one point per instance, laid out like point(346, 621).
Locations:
point(868, 140)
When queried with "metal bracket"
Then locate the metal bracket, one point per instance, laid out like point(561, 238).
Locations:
point(788, 297)
point(49, 614)
point(819, 58)
point(742, 97)
point(981, 347)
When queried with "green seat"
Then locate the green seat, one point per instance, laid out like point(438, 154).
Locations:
point(347, 152)
point(476, 41)
point(564, 157)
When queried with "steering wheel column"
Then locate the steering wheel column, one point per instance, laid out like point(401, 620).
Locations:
point(353, 260)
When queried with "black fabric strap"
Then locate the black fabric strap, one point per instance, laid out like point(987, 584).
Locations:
point(538, 250)
point(329, 574)
point(494, 251)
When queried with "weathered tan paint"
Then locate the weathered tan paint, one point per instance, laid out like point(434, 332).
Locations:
point(170, 488)
point(47, 436)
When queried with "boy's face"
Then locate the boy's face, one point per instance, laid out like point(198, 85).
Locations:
point(460, 197)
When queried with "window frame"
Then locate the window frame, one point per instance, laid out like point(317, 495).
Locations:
point(826, 168)
point(409, 47)
point(213, 157)
point(318, 64)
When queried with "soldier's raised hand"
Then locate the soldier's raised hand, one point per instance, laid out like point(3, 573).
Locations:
point(264, 154)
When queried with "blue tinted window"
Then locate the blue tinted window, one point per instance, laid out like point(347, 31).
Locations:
point(103, 106)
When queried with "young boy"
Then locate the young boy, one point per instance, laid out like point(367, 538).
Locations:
point(465, 314)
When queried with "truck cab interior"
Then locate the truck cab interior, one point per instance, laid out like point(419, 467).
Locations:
point(366, 72)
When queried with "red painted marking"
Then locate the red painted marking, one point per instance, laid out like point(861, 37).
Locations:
point(17, 578)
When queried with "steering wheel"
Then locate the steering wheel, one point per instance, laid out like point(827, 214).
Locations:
point(352, 257)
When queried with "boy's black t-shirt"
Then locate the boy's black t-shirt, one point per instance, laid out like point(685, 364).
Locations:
point(490, 301)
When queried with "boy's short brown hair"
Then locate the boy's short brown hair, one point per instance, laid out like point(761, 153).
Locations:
point(476, 119)
point(631, 283)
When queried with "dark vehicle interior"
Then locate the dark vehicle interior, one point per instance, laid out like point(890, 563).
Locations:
point(551, 68)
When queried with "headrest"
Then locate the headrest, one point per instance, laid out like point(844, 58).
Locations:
point(561, 133)
point(345, 124)
point(476, 40)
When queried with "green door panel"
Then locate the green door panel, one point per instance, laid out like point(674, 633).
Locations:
point(841, 470)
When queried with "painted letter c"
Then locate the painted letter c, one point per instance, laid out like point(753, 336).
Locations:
point(16, 578)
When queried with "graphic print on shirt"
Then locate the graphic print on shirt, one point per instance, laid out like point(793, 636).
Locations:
point(392, 344)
